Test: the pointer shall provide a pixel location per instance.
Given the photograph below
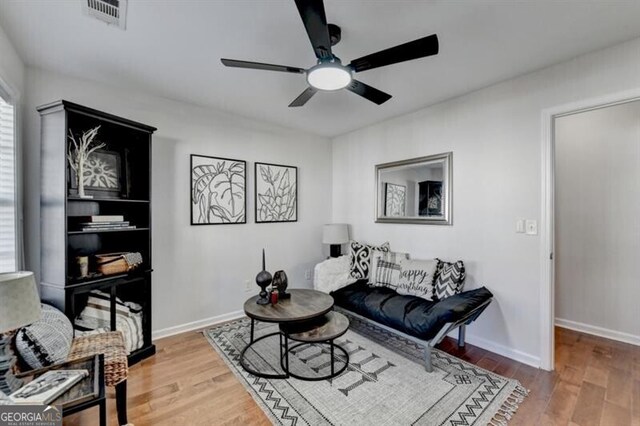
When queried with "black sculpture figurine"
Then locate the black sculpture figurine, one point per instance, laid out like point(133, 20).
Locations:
point(280, 282)
point(263, 279)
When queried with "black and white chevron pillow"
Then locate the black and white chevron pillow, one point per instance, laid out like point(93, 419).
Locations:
point(361, 258)
point(449, 278)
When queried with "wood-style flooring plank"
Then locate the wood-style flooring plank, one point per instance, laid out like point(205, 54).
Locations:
point(588, 409)
point(597, 381)
point(614, 415)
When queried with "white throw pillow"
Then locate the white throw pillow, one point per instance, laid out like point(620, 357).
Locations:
point(390, 273)
point(416, 278)
point(333, 274)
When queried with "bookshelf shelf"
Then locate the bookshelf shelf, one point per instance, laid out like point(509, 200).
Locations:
point(126, 199)
point(97, 231)
point(107, 200)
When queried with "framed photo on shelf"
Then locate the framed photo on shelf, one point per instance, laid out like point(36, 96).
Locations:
point(218, 190)
point(276, 193)
point(104, 175)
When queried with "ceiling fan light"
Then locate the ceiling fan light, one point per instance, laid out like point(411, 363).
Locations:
point(329, 77)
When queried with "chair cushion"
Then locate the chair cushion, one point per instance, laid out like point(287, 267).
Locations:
point(409, 314)
point(110, 344)
point(46, 341)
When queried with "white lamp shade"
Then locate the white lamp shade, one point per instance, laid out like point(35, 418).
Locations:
point(335, 233)
point(19, 300)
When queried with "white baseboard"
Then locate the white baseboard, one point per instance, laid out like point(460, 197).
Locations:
point(505, 351)
point(190, 326)
point(598, 331)
point(499, 349)
point(471, 339)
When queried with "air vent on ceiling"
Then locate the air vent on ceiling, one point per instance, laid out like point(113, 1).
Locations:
point(113, 12)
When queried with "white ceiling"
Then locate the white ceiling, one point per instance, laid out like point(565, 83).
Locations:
point(172, 48)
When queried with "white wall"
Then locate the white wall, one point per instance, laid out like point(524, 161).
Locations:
point(597, 219)
point(12, 69)
point(495, 136)
point(199, 271)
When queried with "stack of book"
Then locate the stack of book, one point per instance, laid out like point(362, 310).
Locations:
point(104, 223)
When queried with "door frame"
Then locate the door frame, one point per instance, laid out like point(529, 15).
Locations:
point(547, 224)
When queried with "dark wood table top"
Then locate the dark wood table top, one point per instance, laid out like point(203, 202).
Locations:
point(304, 304)
point(327, 327)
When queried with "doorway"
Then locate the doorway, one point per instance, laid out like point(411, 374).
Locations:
point(591, 221)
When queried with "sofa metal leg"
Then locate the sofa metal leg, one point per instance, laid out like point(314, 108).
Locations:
point(427, 358)
point(121, 402)
point(461, 333)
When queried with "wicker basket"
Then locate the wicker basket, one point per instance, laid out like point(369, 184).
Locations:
point(112, 263)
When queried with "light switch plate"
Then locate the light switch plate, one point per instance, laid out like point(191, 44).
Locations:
point(531, 226)
point(520, 226)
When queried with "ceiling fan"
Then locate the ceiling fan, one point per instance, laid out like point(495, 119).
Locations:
point(329, 74)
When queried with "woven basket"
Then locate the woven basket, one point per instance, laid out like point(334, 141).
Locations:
point(112, 263)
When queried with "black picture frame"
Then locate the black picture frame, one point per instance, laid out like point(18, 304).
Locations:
point(427, 190)
point(280, 216)
point(218, 165)
point(111, 159)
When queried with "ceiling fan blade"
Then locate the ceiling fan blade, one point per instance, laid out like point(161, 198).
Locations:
point(315, 22)
point(415, 49)
point(304, 97)
point(374, 95)
point(260, 66)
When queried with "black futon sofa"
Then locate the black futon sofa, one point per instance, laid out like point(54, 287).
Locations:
point(417, 319)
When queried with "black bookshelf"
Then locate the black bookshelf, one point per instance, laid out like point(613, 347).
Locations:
point(128, 144)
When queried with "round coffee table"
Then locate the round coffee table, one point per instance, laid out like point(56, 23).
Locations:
point(298, 312)
point(321, 330)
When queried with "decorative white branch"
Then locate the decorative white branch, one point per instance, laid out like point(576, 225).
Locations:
point(81, 152)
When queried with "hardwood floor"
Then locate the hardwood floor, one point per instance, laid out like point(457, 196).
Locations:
point(596, 382)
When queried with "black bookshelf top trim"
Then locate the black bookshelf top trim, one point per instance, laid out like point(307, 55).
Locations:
point(112, 200)
point(106, 230)
point(55, 106)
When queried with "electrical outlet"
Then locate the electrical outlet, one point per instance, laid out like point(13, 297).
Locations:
point(307, 274)
point(247, 285)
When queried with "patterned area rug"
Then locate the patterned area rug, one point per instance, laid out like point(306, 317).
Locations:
point(384, 384)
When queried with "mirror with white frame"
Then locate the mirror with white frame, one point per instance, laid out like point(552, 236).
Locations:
point(415, 191)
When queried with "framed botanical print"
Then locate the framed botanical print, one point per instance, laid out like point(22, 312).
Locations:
point(218, 190)
point(276, 193)
point(395, 197)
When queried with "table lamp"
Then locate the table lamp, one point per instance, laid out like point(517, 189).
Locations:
point(335, 234)
point(19, 306)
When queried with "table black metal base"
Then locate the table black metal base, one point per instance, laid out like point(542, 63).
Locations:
point(284, 357)
point(284, 360)
point(253, 371)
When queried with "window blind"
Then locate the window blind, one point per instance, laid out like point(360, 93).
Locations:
point(7, 188)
